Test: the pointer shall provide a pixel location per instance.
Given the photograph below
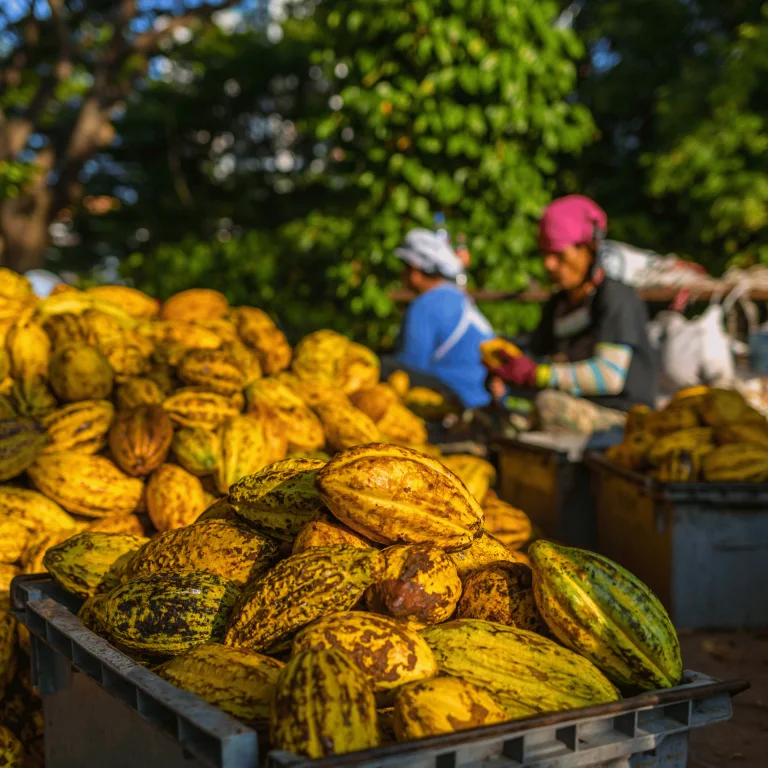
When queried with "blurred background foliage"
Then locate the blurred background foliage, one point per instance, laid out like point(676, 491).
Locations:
point(280, 153)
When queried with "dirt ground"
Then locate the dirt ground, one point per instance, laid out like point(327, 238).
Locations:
point(743, 741)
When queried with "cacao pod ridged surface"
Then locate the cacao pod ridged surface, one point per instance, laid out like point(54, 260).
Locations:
point(88, 485)
point(21, 441)
point(136, 391)
point(526, 673)
point(281, 498)
point(736, 463)
point(122, 524)
point(502, 592)
point(299, 590)
point(325, 532)
point(12, 751)
point(212, 369)
point(345, 426)
point(220, 547)
point(442, 705)
point(511, 526)
point(387, 650)
point(33, 510)
point(476, 473)
point(608, 615)
point(80, 427)
point(14, 539)
point(91, 562)
point(197, 450)
point(323, 706)
point(421, 584)
point(391, 494)
point(165, 614)
point(191, 407)
point(238, 681)
point(195, 305)
point(175, 498)
point(743, 433)
point(245, 449)
point(484, 550)
point(134, 302)
point(140, 439)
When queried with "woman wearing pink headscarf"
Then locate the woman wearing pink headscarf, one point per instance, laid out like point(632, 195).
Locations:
point(590, 357)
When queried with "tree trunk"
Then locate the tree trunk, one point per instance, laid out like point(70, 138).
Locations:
point(24, 234)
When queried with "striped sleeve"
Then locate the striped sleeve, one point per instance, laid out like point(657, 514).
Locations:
point(603, 374)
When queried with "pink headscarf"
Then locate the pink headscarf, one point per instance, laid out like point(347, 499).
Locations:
point(570, 220)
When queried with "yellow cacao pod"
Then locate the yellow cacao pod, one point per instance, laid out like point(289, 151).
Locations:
point(483, 550)
point(672, 420)
point(430, 405)
point(140, 439)
point(723, 406)
point(323, 706)
point(442, 705)
point(736, 463)
point(511, 526)
point(592, 605)
point(174, 498)
point(90, 562)
point(637, 419)
point(695, 440)
point(742, 433)
point(400, 381)
point(91, 486)
point(678, 466)
point(503, 593)
point(29, 349)
point(12, 750)
point(165, 614)
point(33, 510)
point(192, 407)
point(227, 549)
point(324, 532)
point(14, 539)
point(175, 332)
point(299, 590)
point(138, 391)
point(391, 494)
point(421, 584)
point(271, 348)
point(524, 672)
point(386, 650)
point(245, 359)
point(197, 450)
point(374, 402)
point(346, 426)
point(136, 303)
point(212, 369)
point(14, 286)
point(64, 330)
point(476, 473)
point(32, 397)
point(79, 427)
point(130, 524)
point(21, 441)
point(194, 306)
point(281, 498)
point(238, 681)
point(637, 446)
point(7, 574)
point(80, 373)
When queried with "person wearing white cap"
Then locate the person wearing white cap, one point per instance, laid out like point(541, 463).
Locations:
point(442, 328)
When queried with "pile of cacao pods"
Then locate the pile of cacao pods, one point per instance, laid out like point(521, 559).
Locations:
point(703, 435)
point(267, 528)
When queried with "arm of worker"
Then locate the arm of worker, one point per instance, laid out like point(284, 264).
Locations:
point(418, 338)
point(605, 373)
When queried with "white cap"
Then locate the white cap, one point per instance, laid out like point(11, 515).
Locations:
point(425, 251)
point(42, 281)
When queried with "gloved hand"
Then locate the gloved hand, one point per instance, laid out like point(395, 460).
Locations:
point(522, 371)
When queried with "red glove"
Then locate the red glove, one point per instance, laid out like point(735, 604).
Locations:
point(521, 371)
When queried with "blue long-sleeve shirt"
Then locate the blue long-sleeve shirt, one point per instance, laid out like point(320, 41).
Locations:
point(441, 335)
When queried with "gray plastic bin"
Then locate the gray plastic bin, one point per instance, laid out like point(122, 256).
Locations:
point(102, 709)
point(701, 547)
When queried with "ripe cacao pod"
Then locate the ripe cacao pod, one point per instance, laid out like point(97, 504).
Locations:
point(325, 532)
point(14, 539)
point(400, 381)
point(193, 407)
point(140, 439)
point(29, 349)
point(138, 391)
point(197, 450)
point(723, 406)
point(387, 651)
point(212, 369)
point(476, 473)
point(91, 486)
point(79, 427)
point(421, 584)
point(525, 673)
point(442, 705)
point(195, 305)
point(164, 614)
point(299, 590)
point(743, 433)
point(7, 574)
point(230, 550)
point(174, 332)
point(12, 750)
point(637, 419)
point(174, 498)
point(34, 511)
point(323, 706)
point(244, 450)
point(736, 463)
point(21, 441)
point(245, 359)
point(271, 348)
point(123, 524)
point(136, 303)
point(511, 526)
point(484, 550)
point(672, 420)
point(220, 509)
point(346, 426)
point(80, 372)
point(678, 466)
point(430, 405)
point(606, 614)
point(281, 498)
point(502, 592)
point(698, 440)
point(238, 681)
point(391, 494)
point(89, 562)
point(32, 397)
